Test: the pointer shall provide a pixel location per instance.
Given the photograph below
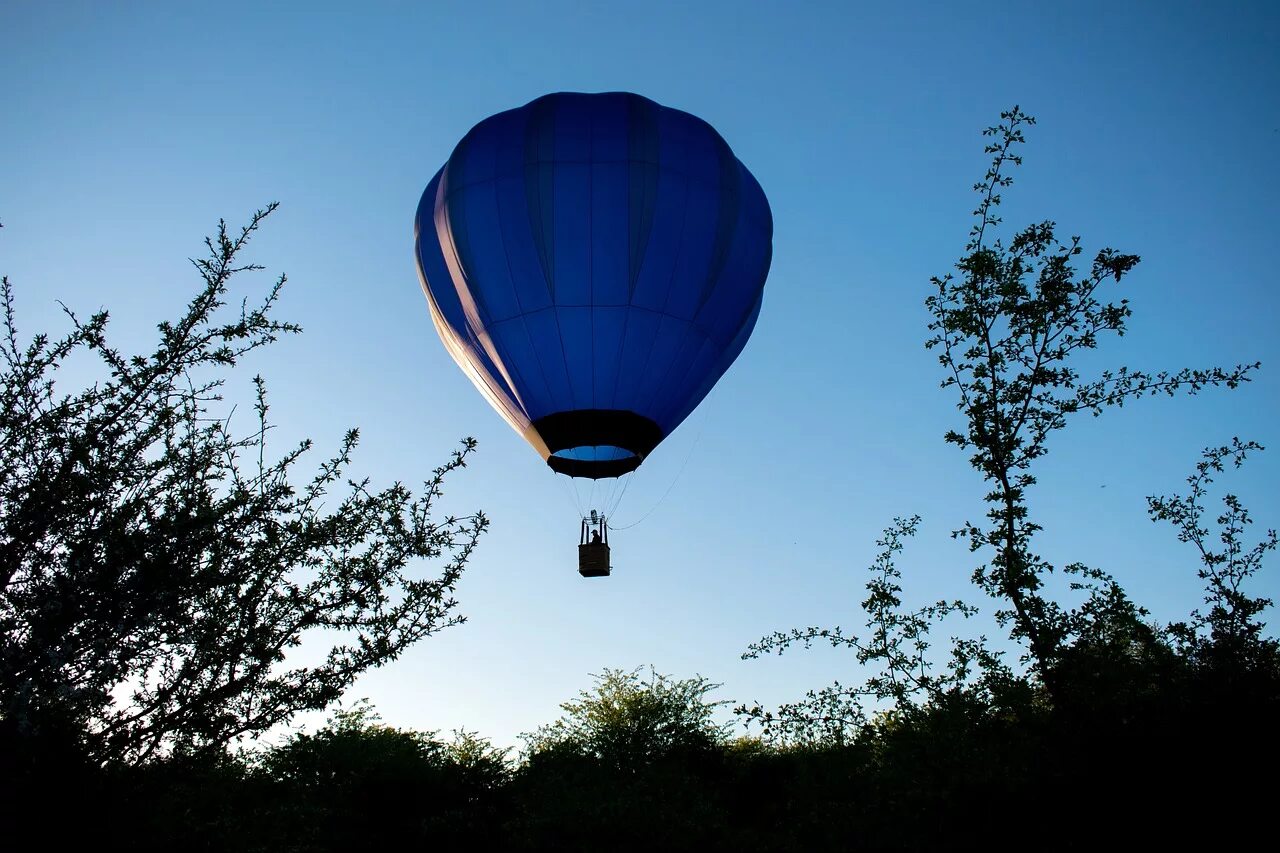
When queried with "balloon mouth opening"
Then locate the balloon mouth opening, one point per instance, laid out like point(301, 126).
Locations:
point(595, 453)
point(596, 443)
point(595, 461)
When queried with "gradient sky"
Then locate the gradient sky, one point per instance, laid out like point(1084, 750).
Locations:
point(130, 128)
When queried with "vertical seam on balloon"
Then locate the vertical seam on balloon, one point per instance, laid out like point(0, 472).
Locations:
point(631, 280)
point(622, 346)
point(647, 124)
point(715, 270)
point(538, 120)
point(543, 238)
point(758, 289)
point(676, 260)
point(564, 355)
point(697, 333)
point(640, 245)
point(626, 316)
point(684, 220)
point(502, 232)
point(515, 292)
point(727, 356)
point(684, 399)
point(542, 370)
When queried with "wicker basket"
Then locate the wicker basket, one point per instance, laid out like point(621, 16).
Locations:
point(593, 560)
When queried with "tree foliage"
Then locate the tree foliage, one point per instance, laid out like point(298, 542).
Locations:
point(628, 721)
point(1231, 632)
point(1009, 328)
point(156, 567)
point(357, 782)
point(896, 647)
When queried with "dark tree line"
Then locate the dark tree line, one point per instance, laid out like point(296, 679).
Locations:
point(158, 569)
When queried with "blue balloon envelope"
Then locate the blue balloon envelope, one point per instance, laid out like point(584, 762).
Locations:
point(594, 263)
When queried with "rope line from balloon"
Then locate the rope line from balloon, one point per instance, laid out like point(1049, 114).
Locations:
point(687, 457)
point(571, 489)
point(618, 502)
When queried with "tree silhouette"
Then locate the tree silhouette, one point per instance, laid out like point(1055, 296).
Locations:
point(155, 568)
point(1231, 630)
point(626, 721)
point(897, 643)
point(1008, 329)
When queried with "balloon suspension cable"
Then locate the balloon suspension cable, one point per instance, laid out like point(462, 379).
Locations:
point(609, 492)
point(687, 457)
point(604, 498)
point(620, 493)
point(571, 489)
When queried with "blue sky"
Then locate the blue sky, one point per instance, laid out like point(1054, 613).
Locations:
point(131, 128)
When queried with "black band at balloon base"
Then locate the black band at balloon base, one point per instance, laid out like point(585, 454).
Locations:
point(626, 430)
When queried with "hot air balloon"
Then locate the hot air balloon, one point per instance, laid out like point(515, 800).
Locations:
point(594, 263)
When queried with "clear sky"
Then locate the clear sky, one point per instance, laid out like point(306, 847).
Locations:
point(130, 128)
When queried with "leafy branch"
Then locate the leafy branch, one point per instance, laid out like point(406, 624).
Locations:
point(897, 642)
point(1007, 328)
point(156, 569)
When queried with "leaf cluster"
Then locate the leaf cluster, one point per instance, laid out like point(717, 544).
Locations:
point(1231, 629)
point(628, 721)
